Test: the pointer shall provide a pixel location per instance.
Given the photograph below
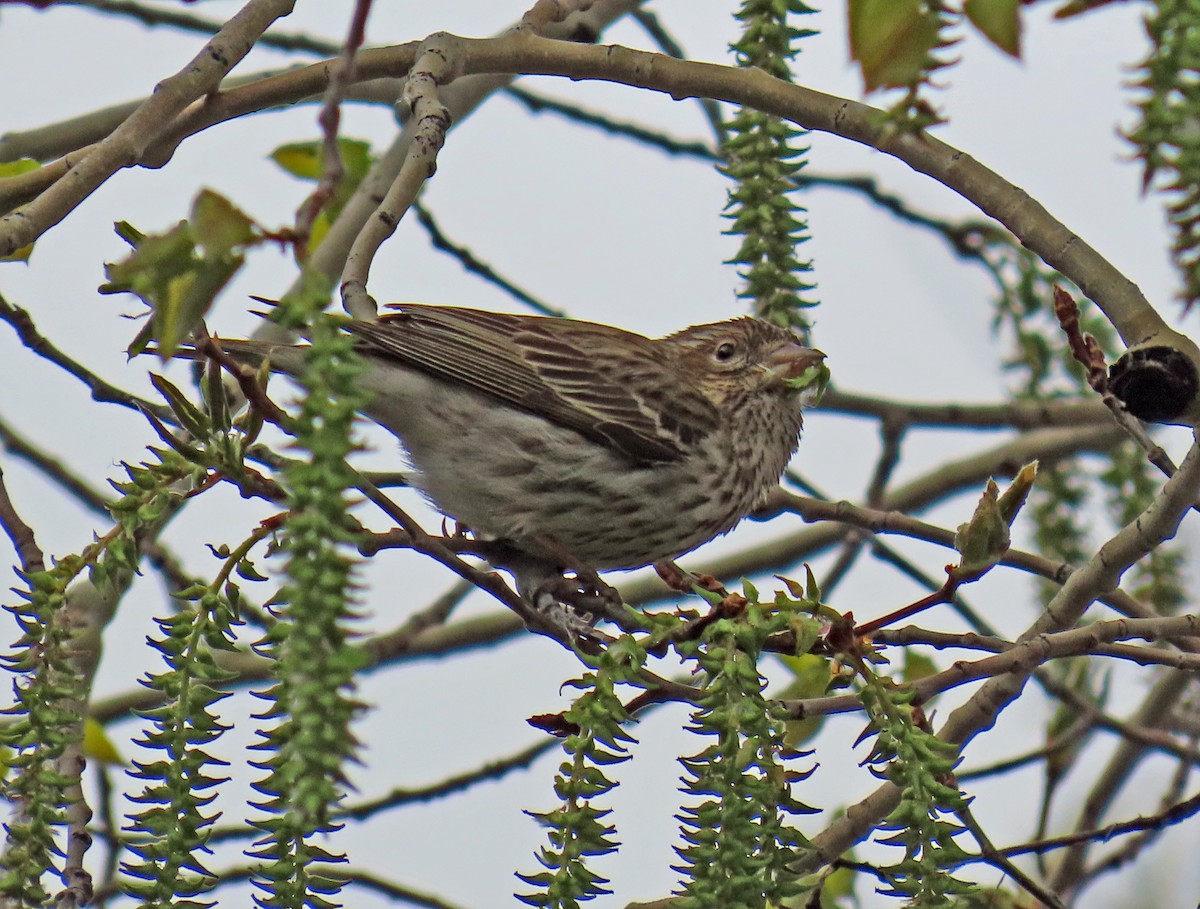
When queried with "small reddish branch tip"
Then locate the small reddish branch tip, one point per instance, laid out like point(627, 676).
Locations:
point(944, 594)
point(1084, 347)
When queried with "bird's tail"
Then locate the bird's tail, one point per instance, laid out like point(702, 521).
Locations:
point(282, 357)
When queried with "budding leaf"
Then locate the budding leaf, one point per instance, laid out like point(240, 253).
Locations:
point(983, 541)
point(306, 160)
point(1014, 497)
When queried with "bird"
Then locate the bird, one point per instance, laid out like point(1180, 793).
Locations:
point(584, 444)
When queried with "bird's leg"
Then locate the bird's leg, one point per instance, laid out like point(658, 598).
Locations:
point(586, 578)
point(563, 601)
point(461, 531)
point(581, 598)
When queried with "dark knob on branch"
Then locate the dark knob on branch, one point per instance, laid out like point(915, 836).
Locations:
point(1156, 384)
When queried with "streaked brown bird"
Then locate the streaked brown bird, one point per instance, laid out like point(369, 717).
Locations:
point(567, 438)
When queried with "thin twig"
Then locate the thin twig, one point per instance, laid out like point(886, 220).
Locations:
point(29, 554)
point(1066, 740)
point(668, 45)
point(102, 391)
point(333, 169)
point(158, 16)
point(1006, 415)
point(153, 118)
point(1176, 814)
point(395, 893)
point(476, 266)
point(492, 770)
point(388, 646)
point(1143, 656)
point(109, 832)
point(429, 120)
point(998, 859)
point(1148, 719)
point(1086, 351)
point(1157, 522)
point(1137, 844)
point(891, 434)
point(488, 581)
point(53, 469)
point(537, 103)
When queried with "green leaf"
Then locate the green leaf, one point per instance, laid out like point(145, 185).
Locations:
point(811, 680)
point(999, 21)
point(917, 666)
point(356, 158)
point(1018, 491)
point(1079, 7)
point(21, 254)
point(813, 381)
point(175, 321)
point(166, 272)
point(18, 167)
point(306, 160)
point(300, 159)
point(891, 40)
point(190, 417)
point(321, 224)
point(984, 540)
point(219, 225)
point(838, 888)
point(13, 169)
point(97, 746)
point(129, 233)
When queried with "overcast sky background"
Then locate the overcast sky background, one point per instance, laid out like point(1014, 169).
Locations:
point(612, 232)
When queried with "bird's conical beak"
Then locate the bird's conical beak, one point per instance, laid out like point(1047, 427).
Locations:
point(798, 368)
point(792, 361)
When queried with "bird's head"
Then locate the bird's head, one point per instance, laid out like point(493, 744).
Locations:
point(728, 360)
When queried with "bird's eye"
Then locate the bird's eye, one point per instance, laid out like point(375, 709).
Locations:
point(725, 352)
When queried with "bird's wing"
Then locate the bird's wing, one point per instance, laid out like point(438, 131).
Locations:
point(611, 386)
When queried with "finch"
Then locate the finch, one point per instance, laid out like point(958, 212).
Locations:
point(560, 436)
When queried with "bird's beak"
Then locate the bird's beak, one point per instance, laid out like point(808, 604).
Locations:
point(799, 368)
point(792, 361)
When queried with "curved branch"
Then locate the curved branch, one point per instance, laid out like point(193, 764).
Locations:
point(1014, 414)
point(128, 143)
point(519, 52)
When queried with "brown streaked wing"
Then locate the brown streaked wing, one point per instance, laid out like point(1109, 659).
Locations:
point(554, 368)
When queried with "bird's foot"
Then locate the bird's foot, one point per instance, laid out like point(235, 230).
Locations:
point(461, 531)
point(582, 601)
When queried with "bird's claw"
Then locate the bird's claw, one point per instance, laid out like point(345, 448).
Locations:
point(461, 530)
point(589, 598)
point(574, 603)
